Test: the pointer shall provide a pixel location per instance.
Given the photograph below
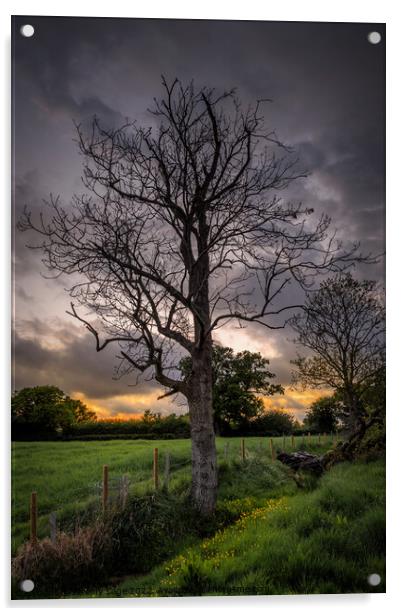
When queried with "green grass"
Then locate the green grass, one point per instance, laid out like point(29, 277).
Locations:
point(268, 536)
point(325, 541)
point(67, 475)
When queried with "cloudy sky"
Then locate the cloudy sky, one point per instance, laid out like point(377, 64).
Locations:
point(326, 82)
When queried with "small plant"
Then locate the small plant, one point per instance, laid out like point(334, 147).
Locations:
point(194, 580)
point(73, 561)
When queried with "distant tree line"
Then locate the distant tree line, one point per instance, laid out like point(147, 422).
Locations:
point(156, 426)
point(150, 426)
point(47, 413)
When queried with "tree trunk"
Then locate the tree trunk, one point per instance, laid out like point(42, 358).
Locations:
point(204, 466)
point(199, 390)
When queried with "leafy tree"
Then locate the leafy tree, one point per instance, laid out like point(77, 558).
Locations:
point(324, 414)
point(343, 324)
point(149, 417)
point(297, 426)
point(373, 394)
point(273, 422)
point(239, 381)
point(45, 410)
point(176, 223)
point(81, 412)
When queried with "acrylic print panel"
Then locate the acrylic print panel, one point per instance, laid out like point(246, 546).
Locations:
point(198, 354)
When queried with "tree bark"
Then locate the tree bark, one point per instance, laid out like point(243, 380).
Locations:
point(204, 467)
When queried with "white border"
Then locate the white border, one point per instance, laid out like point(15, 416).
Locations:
point(292, 10)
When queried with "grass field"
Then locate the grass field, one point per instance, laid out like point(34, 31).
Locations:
point(67, 475)
point(274, 537)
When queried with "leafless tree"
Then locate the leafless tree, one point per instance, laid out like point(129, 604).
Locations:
point(181, 230)
point(344, 325)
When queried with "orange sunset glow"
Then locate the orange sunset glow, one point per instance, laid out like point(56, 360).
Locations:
point(293, 401)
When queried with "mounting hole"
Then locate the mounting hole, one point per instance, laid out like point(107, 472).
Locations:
point(27, 30)
point(374, 579)
point(27, 585)
point(374, 38)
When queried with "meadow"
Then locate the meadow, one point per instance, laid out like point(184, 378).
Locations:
point(271, 535)
point(67, 476)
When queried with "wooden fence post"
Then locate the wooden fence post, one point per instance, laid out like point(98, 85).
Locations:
point(34, 517)
point(319, 439)
point(271, 444)
point(293, 441)
point(53, 526)
point(324, 438)
point(243, 450)
point(167, 471)
point(283, 442)
point(105, 490)
point(155, 469)
point(309, 438)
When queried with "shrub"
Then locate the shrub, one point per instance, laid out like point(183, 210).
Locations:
point(134, 539)
point(148, 530)
point(194, 580)
point(152, 426)
point(71, 562)
point(150, 436)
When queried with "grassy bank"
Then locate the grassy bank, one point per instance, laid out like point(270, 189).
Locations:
point(328, 540)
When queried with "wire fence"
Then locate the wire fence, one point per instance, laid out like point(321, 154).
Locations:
point(111, 490)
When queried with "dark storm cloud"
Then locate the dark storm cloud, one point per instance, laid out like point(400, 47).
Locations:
point(26, 190)
point(47, 70)
point(327, 86)
point(72, 364)
point(325, 81)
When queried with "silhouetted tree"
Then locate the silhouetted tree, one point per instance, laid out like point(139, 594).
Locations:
point(180, 230)
point(81, 411)
point(45, 410)
point(343, 323)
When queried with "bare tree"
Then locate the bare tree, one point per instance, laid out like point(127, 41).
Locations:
point(181, 230)
point(344, 325)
